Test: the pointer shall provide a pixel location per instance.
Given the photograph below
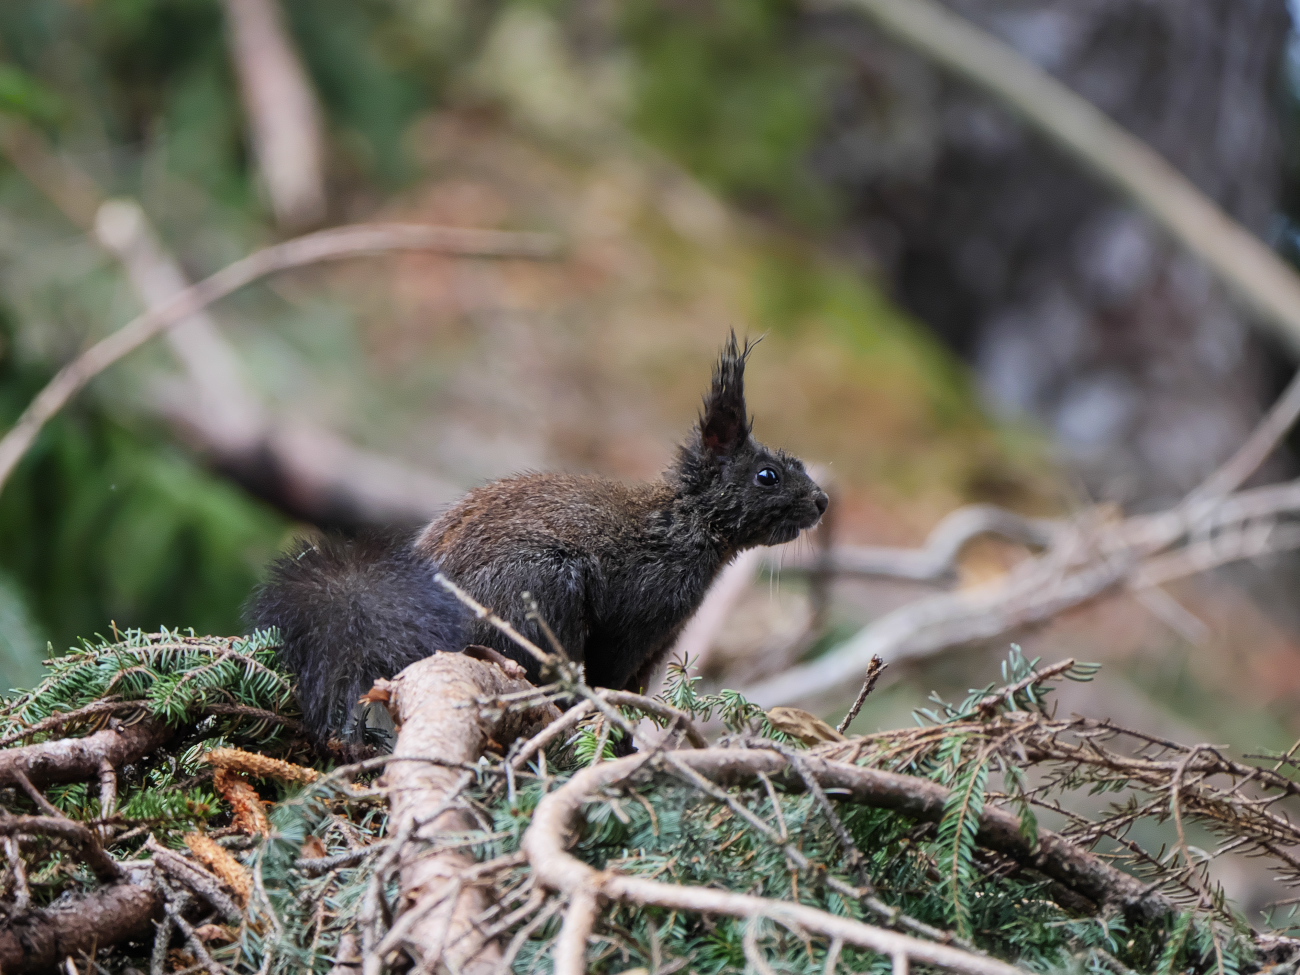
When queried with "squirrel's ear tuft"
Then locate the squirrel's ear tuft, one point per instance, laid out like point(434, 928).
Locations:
point(724, 424)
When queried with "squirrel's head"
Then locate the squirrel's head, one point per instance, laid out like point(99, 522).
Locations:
point(749, 494)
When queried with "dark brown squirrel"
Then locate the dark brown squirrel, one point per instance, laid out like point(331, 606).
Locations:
point(616, 570)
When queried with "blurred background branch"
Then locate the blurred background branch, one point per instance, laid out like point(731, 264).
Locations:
point(284, 118)
point(1268, 286)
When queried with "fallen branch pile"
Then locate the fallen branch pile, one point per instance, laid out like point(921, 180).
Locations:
point(160, 809)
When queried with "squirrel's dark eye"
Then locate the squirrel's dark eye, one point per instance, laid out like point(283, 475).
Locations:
point(767, 477)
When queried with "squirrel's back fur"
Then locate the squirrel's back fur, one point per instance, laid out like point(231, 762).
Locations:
point(615, 570)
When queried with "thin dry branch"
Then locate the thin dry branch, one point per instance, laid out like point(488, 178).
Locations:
point(327, 245)
point(579, 922)
point(937, 560)
point(202, 882)
point(1093, 555)
point(1037, 590)
point(1259, 446)
point(558, 818)
point(77, 835)
point(874, 670)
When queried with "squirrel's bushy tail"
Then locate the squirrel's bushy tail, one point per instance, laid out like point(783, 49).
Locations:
point(350, 611)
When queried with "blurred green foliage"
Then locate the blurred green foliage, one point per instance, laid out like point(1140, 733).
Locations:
point(732, 90)
point(104, 524)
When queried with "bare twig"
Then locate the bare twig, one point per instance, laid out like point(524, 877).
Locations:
point(833, 956)
point(990, 704)
point(484, 613)
point(75, 834)
point(195, 878)
point(35, 794)
point(1263, 440)
point(579, 921)
point(874, 670)
point(1094, 555)
point(315, 866)
point(1036, 591)
point(506, 965)
point(658, 708)
point(937, 560)
point(173, 904)
point(519, 758)
point(18, 872)
point(753, 953)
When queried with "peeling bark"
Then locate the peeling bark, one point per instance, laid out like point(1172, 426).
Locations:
point(435, 702)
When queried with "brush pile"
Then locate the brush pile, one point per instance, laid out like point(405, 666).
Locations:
point(162, 812)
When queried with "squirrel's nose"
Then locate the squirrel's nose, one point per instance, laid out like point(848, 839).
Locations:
point(821, 500)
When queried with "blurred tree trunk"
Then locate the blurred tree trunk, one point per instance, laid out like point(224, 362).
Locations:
point(1072, 306)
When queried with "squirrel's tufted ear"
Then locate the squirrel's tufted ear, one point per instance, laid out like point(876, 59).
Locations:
point(724, 424)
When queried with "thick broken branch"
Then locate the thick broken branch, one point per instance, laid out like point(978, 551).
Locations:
point(434, 702)
point(39, 940)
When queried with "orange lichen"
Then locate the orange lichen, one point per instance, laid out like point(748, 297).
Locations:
point(260, 766)
point(223, 863)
